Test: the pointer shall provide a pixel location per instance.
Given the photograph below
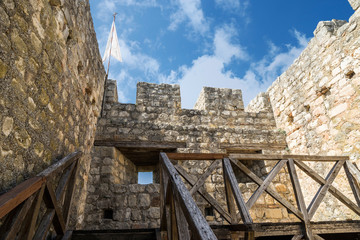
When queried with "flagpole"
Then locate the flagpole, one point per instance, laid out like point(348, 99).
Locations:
point(107, 72)
point(112, 34)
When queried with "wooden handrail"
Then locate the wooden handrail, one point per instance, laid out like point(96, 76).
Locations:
point(182, 206)
point(260, 157)
point(19, 207)
point(238, 209)
point(12, 199)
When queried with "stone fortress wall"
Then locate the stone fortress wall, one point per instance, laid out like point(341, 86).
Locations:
point(51, 89)
point(317, 102)
point(218, 122)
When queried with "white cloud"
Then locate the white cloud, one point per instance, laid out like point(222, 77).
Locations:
point(224, 49)
point(189, 10)
point(239, 6)
point(139, 61)
point(208, 70)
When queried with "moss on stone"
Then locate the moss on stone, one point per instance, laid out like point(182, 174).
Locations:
point(22, 137)
point(18, 43)
point(4, 18)
point(43, 97)
point(21, 23)
point(3, 69)
point(37, 44)
point(39, 148)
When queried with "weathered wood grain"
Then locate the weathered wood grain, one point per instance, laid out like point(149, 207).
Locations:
point(204, 176)
point(265, 184)
point(11, 199)
point(319, 196)
point(229, 174)
point(353, 184)
point(269, 190)
point(197, 223)
point(300, 199)
point(190, 179)
point(284, 157)
point(340, 196)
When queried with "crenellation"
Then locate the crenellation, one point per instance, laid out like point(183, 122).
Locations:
point(158, 96)
point(220, 100)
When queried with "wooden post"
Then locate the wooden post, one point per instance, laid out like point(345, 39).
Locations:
point(300, 199)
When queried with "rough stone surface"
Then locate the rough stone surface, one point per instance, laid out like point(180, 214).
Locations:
point(51, 88)
point(157, 117)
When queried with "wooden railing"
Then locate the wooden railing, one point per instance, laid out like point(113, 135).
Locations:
point(180, 216)
point(235, 198)
point(30, 209)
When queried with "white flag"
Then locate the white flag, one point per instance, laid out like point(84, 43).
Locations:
point(112, 45)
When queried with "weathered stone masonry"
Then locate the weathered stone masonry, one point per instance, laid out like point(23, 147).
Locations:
point(219, 122)
point(316, 102)
point(51, 85)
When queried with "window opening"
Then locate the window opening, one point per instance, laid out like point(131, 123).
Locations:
point(145, 177)
point(108, 214)
point(209, 211)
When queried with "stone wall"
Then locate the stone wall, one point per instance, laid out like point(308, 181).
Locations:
point(316, 102)
point(51, 87)
point(206, 130)
point(157, 117)
point(113, 187)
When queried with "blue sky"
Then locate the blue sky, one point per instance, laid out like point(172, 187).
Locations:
point(243, 44)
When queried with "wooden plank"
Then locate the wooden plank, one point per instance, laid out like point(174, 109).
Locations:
point(30, 231)
point(164, 180)
point(300, 198)
point(51, 203)
point(190, 179)
point(63, 182)
point(44, 225)
point(67, 235)
point(182, 226)
point(353, 184)
point(265, 184)
point(158, 234)
point(197, 223)
point(230, 200)
point(139, 144)
point(284, 157)
point(60, 165)
point(229, 173)
point(15, 223)
point(204, 176)
point(281, 229)
point(297, 237)
point(340, 196)
point(66, 208)
point(230, 146)
point(168, 222)
point(17, 195)
point(174, 224)
point(315, 203)
point(195, 156)
point(269, 190)
point(354, 171)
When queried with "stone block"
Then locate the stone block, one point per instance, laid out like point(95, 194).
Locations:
point(144, 200)
point(154, 212)
point(136, 215)
point(273, 213)
point(137, 188)
point(132, 200)
point(355, 4)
